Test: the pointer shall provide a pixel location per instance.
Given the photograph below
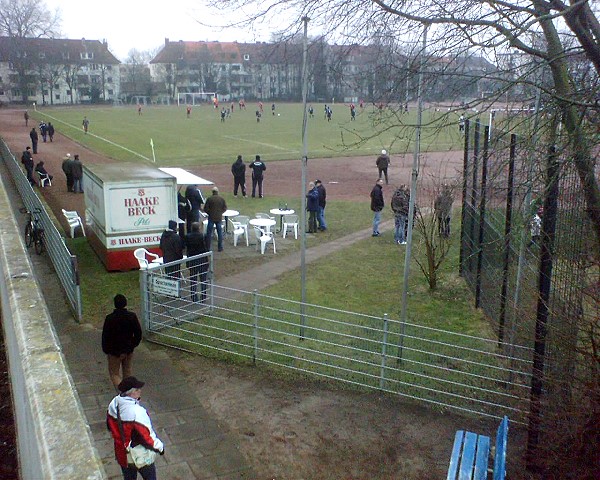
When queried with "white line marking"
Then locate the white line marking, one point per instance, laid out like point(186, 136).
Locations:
point(276, 147)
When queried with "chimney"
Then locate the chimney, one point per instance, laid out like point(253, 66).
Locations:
point(166, 41)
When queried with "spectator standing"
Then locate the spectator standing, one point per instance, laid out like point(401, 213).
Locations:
point(77, 172)
point(85, 124)
point(27, 161)
point(312, 205)
point(442, 207)
point(383, 162)
point(171, 245)
point(196, 244)
point(26, 117)
point(258, 167)
point(214, 207)
point(43, 131)
point(400, 203)
point(377, 205)
point(183, 209)
point(130, 425)
point(238, 170)
point(461, 123)
point(34, 140)
point(196, 201)
point(121, 334)
point(67, 167)
point(50, 131)
point(322, 203)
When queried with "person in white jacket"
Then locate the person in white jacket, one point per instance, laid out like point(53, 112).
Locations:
point(135, 429)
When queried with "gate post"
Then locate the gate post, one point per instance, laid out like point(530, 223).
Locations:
point(383, 351)
point(144, 302)
point(482, 207)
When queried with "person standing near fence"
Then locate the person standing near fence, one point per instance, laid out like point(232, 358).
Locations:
point(171, 245)
point(196, 201)
point(67, 168)
point(377, 205)
point(27, 161)
point(214, 207)
point(195, 244)
point(121, 334)
point(130, 425)
point(77, 172)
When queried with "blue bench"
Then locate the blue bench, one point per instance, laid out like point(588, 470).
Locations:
point(471, 453)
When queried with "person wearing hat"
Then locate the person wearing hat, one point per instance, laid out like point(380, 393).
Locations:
point(121, 333)
point(322, 203)
point(383, 162)
point(258, 167)
point(130, 425)
point(67, 168)
point(171, 245)
point(215, 207)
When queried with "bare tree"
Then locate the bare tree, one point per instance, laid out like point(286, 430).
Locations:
point(21, 20)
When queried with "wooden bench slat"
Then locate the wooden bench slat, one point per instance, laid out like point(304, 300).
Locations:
point(455, 457)
point(468, 456)
point(482, 458)
point(501, 443)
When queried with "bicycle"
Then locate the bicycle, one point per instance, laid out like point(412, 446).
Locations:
point(34, 232)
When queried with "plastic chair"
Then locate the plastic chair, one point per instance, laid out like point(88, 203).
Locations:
point(44, 179)
point(239, 228)
point(74, 221)
point(290, 221)
point(264, 215)
point(141, 254)
point(264, 237)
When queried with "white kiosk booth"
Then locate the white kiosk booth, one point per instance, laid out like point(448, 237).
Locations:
point(128, 206)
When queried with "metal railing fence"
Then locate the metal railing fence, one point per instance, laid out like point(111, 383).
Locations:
point(443, 368)
point(65, 264)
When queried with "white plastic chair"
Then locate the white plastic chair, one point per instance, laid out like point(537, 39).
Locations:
point(239, 228)
point(264, 215)
point(141, 254)
point(44, 179)
point(264, 236)
point(290, 221)
point(74, 221)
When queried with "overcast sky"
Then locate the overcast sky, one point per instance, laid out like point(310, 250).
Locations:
point(127, 24)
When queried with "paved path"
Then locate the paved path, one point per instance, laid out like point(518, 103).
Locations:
point(197, 447)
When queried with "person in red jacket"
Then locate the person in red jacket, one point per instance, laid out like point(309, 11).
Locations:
point(130, 425)
point(120, 335)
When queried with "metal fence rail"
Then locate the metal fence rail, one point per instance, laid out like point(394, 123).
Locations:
point(63, 261)
point(444, 368)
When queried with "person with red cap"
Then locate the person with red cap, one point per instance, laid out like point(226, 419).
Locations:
point(130, 425)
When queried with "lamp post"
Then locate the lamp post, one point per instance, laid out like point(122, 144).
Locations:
point(303, 180)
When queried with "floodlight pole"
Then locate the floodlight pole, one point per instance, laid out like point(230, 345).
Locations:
point(413, 192)
point(303, 180)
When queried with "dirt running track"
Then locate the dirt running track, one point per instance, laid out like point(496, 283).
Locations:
point(305, 430)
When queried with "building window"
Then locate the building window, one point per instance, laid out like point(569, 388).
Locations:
point(44, 92)
point(42, 54)
point(109, 67)
point(1, 93)
point(86, 55)
point(56, 86)
point(57, 96)
point(109, 79)
point(68, 92)
point(110, 91)
point(95, 80)
point(65, 55)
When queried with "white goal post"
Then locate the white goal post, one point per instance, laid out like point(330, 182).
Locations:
point(195, 98)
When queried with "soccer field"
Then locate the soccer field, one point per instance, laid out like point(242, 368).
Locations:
point(203, 139)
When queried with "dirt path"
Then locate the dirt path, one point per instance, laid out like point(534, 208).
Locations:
point(300, 429)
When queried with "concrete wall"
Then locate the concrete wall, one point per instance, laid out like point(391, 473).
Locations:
point(53, 438)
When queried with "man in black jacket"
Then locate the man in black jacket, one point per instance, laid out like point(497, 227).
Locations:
point(195, 243)
point(377, 205)
point(322, 203)
point(27, 161)
point(238, 169)
point(120, 335)
point(258, 167)
point(195, 198)
point(34, 139)
point(171, 245)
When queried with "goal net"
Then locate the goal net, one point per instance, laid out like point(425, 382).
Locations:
point(195, 98)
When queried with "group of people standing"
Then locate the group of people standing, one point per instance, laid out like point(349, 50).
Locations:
point(316, 200)
point(238, 170)
point(73, 170)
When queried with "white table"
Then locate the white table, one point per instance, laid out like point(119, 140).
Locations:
point(280, 213)
point(229, 213)
point(265, 223)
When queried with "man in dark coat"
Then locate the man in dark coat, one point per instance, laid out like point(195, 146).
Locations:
point(120, 335)
point(183, 209)
point(322, 203)
point(195, 243)
point(258, 167)
point(27, 161)
point(67, 167)
point(171, 245)
point(377, 205)
point(50, 131)
point(34, 139)
point(77, 172)
point(195, 198)
point(238, 169)
point(400, 206)
point(443, 209)
point(214, 207)
point(43, 130)
point(383, 162)
point(312, 206)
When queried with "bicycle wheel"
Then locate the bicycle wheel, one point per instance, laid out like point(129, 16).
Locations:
point(40, 242)
point(28, 235)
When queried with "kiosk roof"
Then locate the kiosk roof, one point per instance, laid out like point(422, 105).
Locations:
point(184, 177)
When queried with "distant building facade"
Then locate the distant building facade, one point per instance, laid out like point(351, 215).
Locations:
point(57, 71)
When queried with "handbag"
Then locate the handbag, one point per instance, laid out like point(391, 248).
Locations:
point(139, 455)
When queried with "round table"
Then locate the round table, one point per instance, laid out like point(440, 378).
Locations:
point(229, 213)
point(265, 223)
point(279, 212)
